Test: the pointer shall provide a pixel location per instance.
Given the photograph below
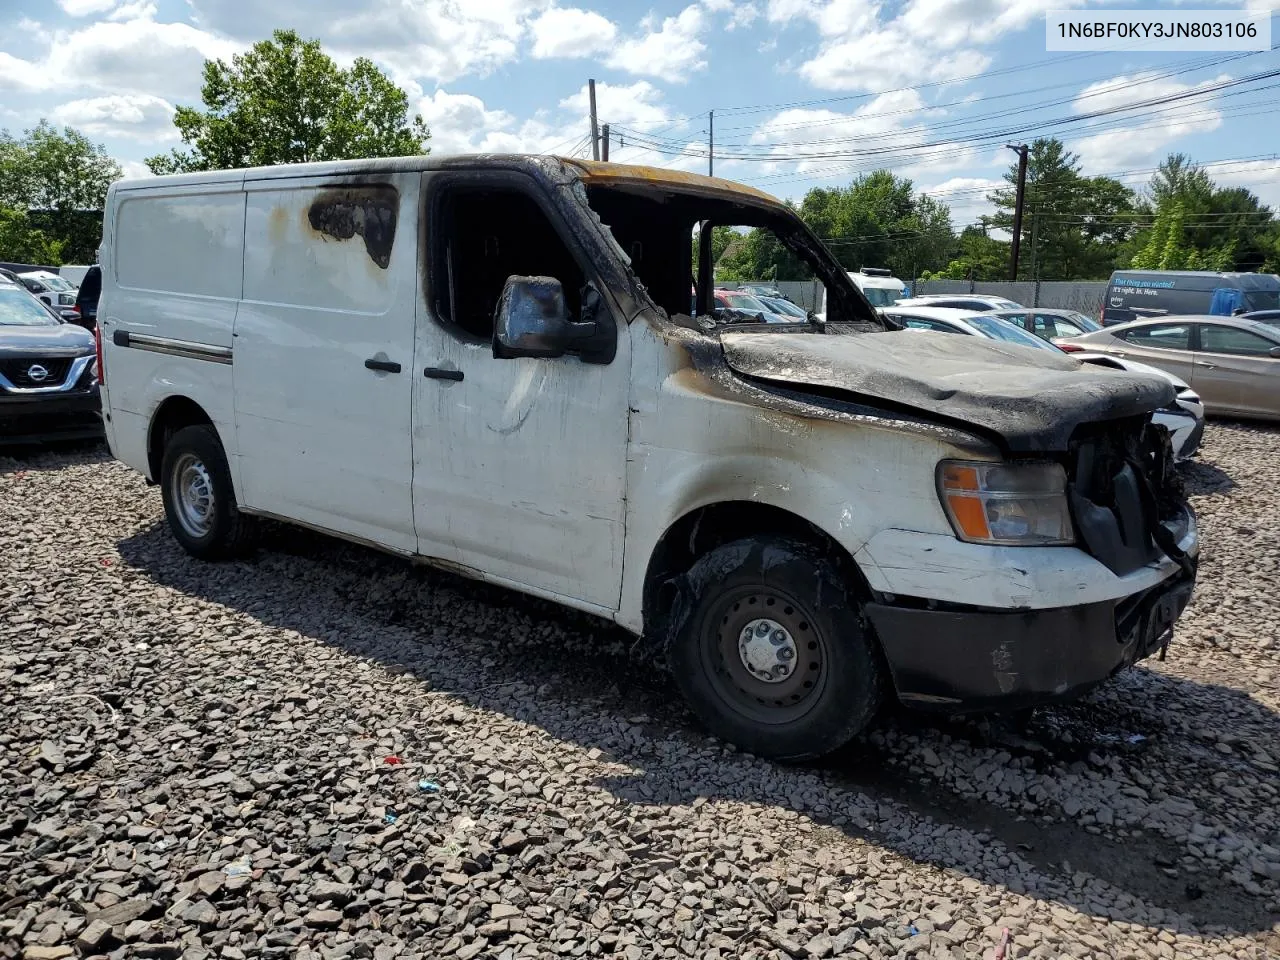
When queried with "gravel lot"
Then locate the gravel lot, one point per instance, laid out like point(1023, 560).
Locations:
point(199, 761)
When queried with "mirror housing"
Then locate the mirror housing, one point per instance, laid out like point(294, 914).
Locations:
point(532, 320)
point(1275, 352)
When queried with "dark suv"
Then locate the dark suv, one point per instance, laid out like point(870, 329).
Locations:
point(87, 297)
point(48, 373)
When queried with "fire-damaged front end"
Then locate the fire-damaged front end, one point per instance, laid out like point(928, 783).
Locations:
point(1073, 549)
point(1128, 515)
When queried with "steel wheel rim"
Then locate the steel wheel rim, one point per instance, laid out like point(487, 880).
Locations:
point(191, 489)
point(783, 697)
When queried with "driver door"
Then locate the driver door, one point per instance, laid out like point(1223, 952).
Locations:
point(518, 464)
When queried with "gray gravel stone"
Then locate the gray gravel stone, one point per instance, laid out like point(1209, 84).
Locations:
point(200, 768)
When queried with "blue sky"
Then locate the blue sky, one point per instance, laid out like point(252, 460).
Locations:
point(805, 92)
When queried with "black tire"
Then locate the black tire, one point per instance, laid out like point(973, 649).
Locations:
point(195, 454)
point(834, 687)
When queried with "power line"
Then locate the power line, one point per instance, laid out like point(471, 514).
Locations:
point(1003, 133)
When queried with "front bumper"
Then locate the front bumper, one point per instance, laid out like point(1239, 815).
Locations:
point(36, 418)
point(982, 659)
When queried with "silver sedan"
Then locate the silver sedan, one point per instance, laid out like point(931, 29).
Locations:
point(1233, 363)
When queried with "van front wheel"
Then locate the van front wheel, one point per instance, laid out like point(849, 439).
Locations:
point(199, 502)
point(770, 652)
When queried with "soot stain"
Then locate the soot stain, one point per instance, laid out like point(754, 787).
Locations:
point(369, 212)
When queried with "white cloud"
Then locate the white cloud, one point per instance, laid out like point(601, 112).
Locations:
point(635, 103)
point(132, 116)
point(864, 47)
point(672, 51)
point(740, 14)
point(437, 39)
point(133, 169)
point(887, 58)
point(136, 10)
point(138, 56)
point(965, 196)
point(82, 8)
point(744, 14)
point(570, 32)
point(1262, 177)
point(1146, 140)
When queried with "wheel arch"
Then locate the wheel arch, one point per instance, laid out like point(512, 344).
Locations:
point(171, 415)
point(703, 528)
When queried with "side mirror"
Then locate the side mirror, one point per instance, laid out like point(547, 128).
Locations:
point(1275, 352)
point(532, 320)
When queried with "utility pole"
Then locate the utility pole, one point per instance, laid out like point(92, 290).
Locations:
point(711, 143)
point(1021, 151)
point(1035, 270)
point(595, 130)
point(604, 144)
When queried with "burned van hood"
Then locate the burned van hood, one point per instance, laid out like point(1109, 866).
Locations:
point(1027, 400)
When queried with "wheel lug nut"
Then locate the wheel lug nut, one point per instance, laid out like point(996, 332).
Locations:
point(762, 629)
point(778, 638)
point(785, 654)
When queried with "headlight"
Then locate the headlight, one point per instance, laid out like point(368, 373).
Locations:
point(1023, 504)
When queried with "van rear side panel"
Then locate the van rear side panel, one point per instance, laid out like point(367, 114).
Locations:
point(171, 280)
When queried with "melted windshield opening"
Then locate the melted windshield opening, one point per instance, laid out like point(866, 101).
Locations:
point(662, 230)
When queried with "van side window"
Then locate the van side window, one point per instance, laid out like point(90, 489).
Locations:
point(1162, 336)
point(1216, 339)
point(482, 236)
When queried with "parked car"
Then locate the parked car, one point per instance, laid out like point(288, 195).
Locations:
point(1183, 416)
point(48, 382)
point(49, 287)
point(87, 298)
point(785, 308)
point(1148, 294)
point(743, 303)
point(802, 518)
point(878, 285)
point(1231, 362)
point(978, 303)
point(958, 320)
point(1049, 324)
point(762, 290)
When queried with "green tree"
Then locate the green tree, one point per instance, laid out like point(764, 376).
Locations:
point(1073, 227)
point(286, 101)
point(1196, 225)
point(880, 221)
point(20, 242)
point(979, 257)
point(51, 178)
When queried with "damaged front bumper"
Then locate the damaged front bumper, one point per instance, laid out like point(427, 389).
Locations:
point(961, 657)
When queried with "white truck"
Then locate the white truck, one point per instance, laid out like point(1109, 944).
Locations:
point(879, 286)
point(489, 364)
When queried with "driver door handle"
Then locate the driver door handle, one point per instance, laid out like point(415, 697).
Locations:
point(1207, 366)
point(390, 366)
point(440, 373)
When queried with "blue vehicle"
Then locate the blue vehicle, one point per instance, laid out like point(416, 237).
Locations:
point(1147, 294)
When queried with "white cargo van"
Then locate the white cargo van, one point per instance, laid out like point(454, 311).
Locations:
point(879, 286)
point(489, 364)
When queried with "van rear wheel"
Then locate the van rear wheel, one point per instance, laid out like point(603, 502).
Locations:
point(770, 651)
point(199, 501)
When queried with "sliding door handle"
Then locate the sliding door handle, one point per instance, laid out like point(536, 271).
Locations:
point(440, 373)
point(389, 366)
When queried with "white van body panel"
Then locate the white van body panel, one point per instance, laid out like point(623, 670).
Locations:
point(321, 438)
point(174, 270)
